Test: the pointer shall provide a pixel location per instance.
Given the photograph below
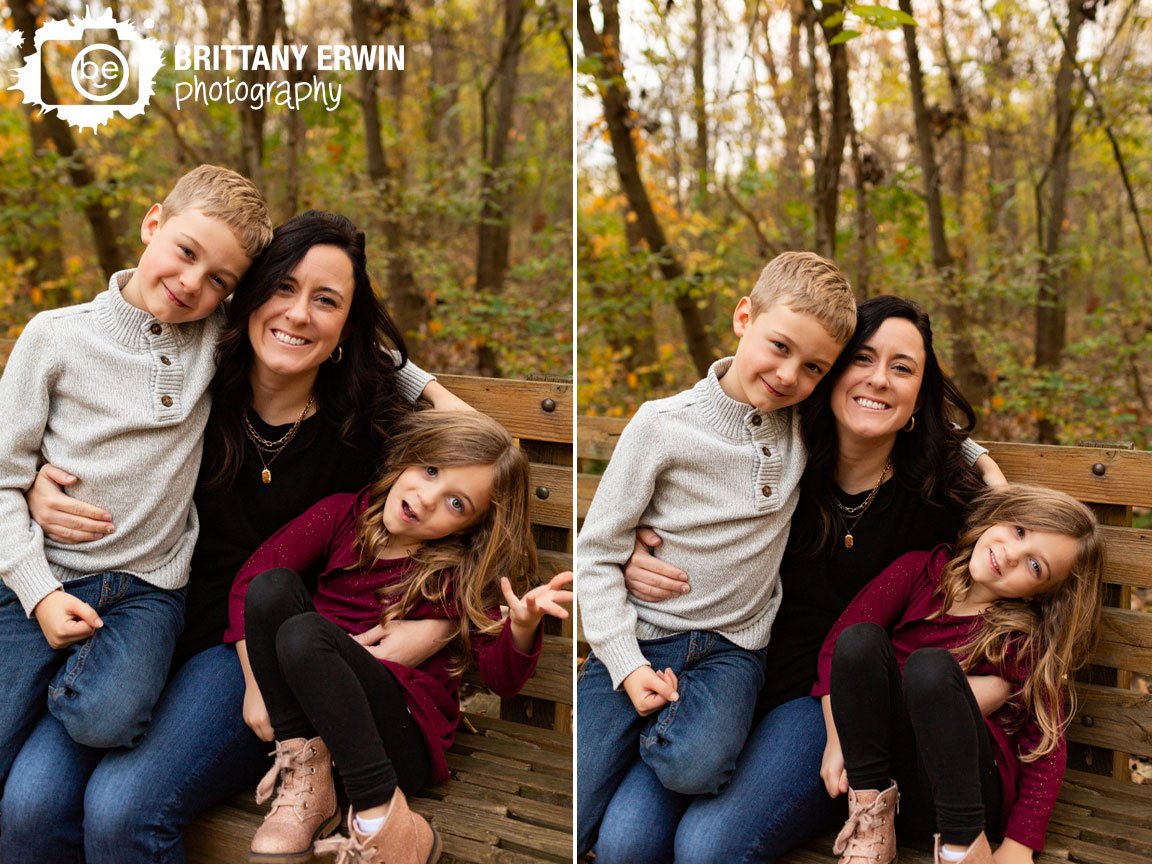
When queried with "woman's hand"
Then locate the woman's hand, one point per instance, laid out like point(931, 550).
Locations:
point(408, 643)
point(525, 613)
point(991, 692)
point(256, 714)
point(832, 770)
point(990, 472)
point(647, 577)
point(60, 516)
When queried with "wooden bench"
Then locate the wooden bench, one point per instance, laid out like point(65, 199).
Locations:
point(509, 798)
point(1102, 817)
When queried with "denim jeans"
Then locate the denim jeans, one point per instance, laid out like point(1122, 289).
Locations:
point(775, 802)
point(691, 745)
point(102, 690)
point(130, 806)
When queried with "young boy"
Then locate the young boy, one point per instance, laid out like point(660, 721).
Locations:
point(715, 471)
point(116, 392)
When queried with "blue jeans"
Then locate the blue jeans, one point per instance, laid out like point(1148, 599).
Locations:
point(775, 802)
point(102, 689)
point(130, 806)
point(691, 745)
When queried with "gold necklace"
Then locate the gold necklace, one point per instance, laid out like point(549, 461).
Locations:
point(859, 509)
point(274, 447)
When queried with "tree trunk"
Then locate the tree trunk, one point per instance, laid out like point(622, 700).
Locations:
point(1051, 300)
point(409, 305)
point(826, 193)
point(789, 98)
point(605, 48)
point(699, 109)
point(970, 377)
point(252, 119)
point(494, 233)
point(105, 232)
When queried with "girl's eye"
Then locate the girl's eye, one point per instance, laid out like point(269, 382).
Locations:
point(1019, 532)
point(456, 504)
point(431, 470)
point(188, 253)
point(780, 346)
point(1035, 565)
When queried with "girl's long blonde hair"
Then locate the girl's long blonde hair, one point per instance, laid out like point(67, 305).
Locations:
point(462, 569)
point(1052, 633)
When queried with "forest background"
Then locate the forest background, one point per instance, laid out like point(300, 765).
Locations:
point(458, 169)
point(990, 159)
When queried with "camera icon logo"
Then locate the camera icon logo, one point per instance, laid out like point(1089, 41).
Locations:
point(90, 70)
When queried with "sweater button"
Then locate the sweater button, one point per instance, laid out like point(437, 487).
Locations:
point(767, 490)
point(165, 361)
point(757, 419)
point(156, 329)
point(166, 401)
point(767, 451)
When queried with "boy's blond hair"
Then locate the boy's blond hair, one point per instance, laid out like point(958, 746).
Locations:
point(806, 282)
point(221, 193)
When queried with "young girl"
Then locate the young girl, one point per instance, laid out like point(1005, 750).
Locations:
point(1010, 614)
point(424, 542)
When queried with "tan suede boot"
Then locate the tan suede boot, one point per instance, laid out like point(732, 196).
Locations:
point(305, 805)
point(869, 835)
point(404, 838)
point(978, 853)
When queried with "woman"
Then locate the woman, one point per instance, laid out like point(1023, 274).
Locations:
point(886, 474)
point(303, 402)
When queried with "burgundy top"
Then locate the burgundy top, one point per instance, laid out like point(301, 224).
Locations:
point(325, 535)
point(900, 599)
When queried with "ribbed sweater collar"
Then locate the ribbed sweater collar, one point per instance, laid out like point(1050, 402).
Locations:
point(128, 325)
point(731, 417)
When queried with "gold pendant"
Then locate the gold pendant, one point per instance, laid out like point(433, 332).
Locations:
point(266, 476)
point(848, 541)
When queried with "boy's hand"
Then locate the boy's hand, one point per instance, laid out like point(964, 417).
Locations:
point(525, 613)
point(65, 619)
point(61, 517)
point(647, 577)
point(650, 690)
point(990, 472)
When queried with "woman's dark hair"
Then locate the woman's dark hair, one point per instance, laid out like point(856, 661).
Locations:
point(928, 460)
point(358, 393)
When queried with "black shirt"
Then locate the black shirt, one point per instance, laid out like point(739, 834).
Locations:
point(817, 589)
point(235, 521)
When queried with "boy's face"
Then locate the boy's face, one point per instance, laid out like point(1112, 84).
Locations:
point(191, 263)
point(781, 357)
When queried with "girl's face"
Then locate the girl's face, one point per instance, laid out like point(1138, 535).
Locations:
point(295, 329)
point(1011, 561)
point(879, 390)
point(429, 502)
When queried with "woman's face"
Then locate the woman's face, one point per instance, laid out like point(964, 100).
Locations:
point(880, 388)
point(295, 329)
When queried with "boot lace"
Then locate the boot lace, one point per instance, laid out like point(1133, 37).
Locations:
point(862, 833)
point(290, 769)
point(348, 850)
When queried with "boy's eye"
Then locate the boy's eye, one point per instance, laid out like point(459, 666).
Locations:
point(780, 346)
point(1019, 532)
point(188, 253)
point(431, 470)
point(456, 504)
point(219, 281)
point(814, 369)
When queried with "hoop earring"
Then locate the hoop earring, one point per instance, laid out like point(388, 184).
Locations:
point(911, 424)
point(337, 355)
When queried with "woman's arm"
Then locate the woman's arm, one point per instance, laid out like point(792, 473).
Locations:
point(60, 516)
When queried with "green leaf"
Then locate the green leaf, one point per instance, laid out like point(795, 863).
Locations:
point(883, 17)
point(843, 36)
point(834, 20)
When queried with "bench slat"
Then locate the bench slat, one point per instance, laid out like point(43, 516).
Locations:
point(1125, 640)
point(1127, 478)
point(1120, 719)
point(556, 509)
point(518, 404)
point(1128, 556)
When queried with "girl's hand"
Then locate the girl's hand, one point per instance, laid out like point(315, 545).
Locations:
point(525, 613)
point(832, 770)
point(991, 692)
point(647, 577)
point(408, 643)
point(990, 472)
point(60, 516)
point(650, 690)
point(256, 714)
point(1012, 852)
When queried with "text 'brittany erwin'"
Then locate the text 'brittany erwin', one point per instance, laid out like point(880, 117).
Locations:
point(329, 58)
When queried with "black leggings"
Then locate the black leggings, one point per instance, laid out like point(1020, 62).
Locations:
point(922, 729)
point(317, 680)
